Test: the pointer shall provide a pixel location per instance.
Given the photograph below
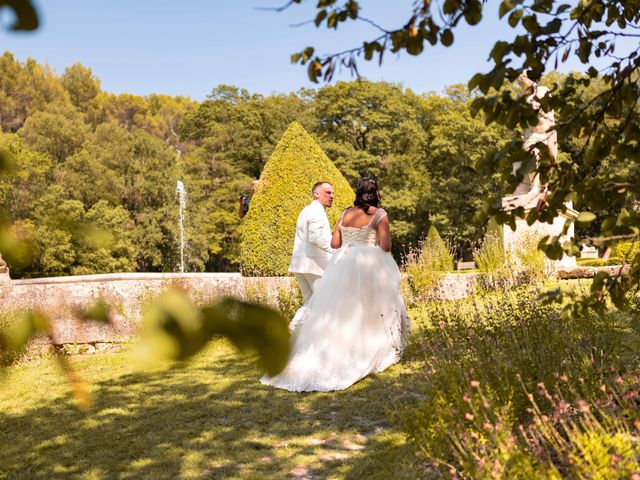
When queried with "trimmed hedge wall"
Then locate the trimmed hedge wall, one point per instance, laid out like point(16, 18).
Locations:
point(283, 190)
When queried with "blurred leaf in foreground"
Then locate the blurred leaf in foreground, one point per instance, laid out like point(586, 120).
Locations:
point(251, 326)
point(174, 330)
point(26, 16)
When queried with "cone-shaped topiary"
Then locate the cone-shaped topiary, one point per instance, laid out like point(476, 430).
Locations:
point(283, 190)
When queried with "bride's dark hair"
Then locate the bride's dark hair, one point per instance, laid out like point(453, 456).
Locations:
point(367, 194)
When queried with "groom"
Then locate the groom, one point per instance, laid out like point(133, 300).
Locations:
point(312, 245)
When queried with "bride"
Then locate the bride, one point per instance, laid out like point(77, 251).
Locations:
point(356, 322)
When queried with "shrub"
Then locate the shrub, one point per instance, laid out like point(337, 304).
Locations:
point(283, 190)
point(598, 262)
point(426, 266)
point(442, 257)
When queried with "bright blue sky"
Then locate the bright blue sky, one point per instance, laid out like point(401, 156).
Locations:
point(188, 47)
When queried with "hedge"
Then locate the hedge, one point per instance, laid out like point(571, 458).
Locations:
point(283, 190)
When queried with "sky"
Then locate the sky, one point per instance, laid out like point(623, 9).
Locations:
point(189, 47)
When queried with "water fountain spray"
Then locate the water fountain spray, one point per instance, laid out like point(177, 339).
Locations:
point(182, 198)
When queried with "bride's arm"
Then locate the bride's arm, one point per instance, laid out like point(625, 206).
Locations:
point(336, 239)
point(384, 235)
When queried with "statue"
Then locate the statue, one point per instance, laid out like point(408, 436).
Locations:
point(529, 192)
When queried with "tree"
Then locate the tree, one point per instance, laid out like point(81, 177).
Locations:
point(547, 32)
point(81, 85)
point(107, 244)
point(456, 143)
point(165, 114)
point(21, 187)
point(241, 128)
point(54, 134)
point(26, 88)
point(375, 129)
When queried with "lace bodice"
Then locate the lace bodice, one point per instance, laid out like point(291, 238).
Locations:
point(364, 236)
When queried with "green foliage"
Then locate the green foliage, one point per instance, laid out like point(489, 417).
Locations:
point(81, 85)
point(8, 322)
point(26, 88)
point(242, 129)
point(626, 250)
point(375, 130)
point(598, 262)
point(442, 258)
point(173, 329)
point(283, 191)
point(54, 134)
point(107, 242)
point(457, 142)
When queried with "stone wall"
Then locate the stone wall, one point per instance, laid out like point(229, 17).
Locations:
point(127, 294)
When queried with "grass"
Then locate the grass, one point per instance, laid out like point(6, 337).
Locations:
point(209, 418)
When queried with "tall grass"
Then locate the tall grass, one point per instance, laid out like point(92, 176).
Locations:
point(494, 263)
point(502, 268)
point(425, 267)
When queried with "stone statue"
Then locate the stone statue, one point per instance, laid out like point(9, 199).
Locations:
point(529, 191)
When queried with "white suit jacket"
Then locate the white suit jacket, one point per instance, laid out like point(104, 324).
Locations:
point(312, 245)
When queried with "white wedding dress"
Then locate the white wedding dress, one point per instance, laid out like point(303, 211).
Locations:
point(355, 323)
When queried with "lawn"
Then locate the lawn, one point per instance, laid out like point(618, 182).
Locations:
point(209, 418)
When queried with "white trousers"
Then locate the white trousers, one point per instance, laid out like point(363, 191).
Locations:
point(307, 283)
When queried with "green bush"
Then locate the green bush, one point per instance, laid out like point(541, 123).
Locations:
point(442, 258)
point(426, 266)
point(283, 190)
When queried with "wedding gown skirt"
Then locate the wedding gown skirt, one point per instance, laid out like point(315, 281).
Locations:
point(354, 324)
